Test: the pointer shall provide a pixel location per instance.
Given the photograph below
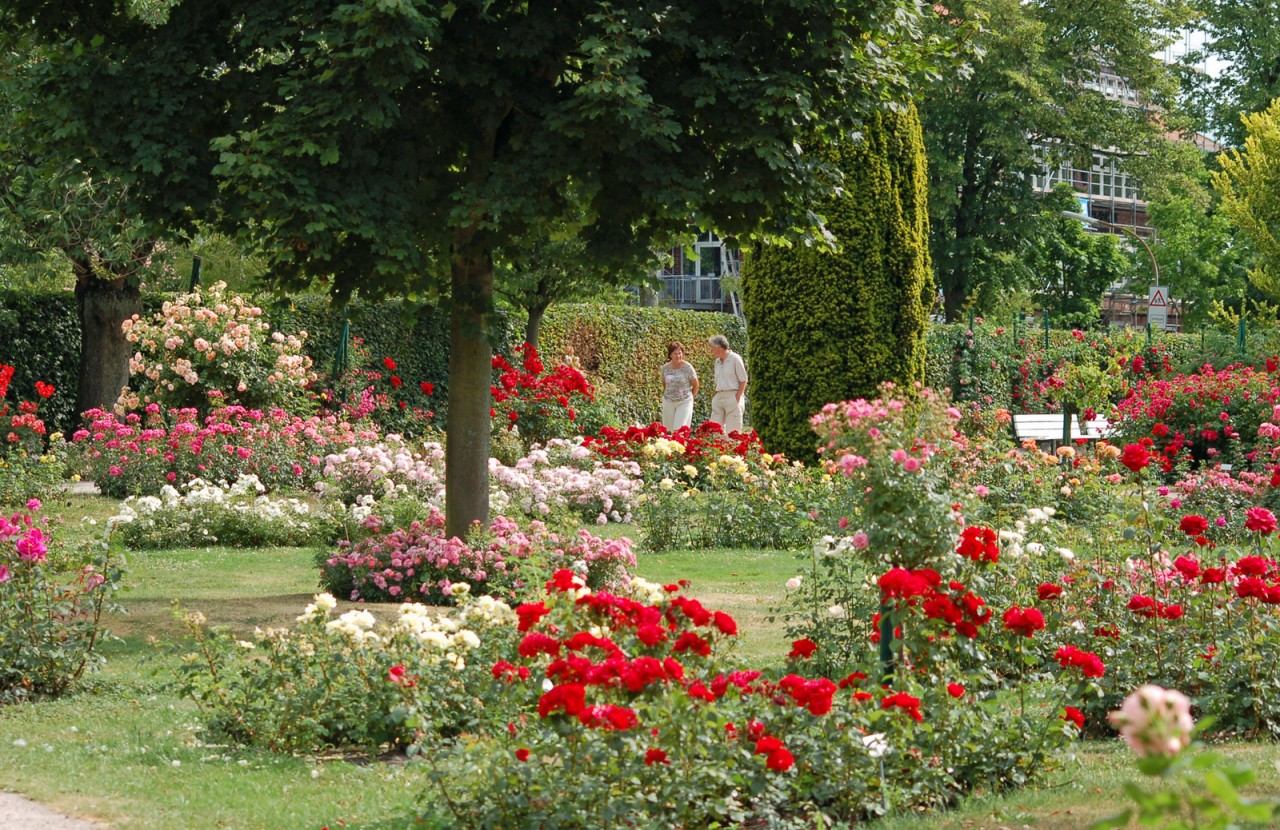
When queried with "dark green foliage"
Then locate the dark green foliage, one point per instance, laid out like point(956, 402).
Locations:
point(621, 349)
point(40, 338)
point(833, 326)
point(417, 342)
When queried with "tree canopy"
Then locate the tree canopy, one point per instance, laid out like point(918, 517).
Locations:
point(391, 147)
point(1034, 98)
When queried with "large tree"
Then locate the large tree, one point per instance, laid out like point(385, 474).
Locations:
point(1242, 48)
point(392, 147)
point(53, 211)
point(1033, 99)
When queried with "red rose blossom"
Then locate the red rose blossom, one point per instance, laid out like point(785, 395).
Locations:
point(802, 649)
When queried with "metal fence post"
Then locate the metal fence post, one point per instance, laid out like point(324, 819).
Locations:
point(340, 357)
point(195, 272)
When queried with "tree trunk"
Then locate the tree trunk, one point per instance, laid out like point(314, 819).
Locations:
point(952, 303)
point(470, 366)
point(533, 327)
point(102, 305)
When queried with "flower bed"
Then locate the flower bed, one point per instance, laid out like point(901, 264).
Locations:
point(138, 453)
point(239, 515)
point(421, 562)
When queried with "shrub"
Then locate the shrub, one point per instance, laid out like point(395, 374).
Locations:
point(535, 402)
point(207, 514)
point(335, 683)
point(828, 326)
point(205, 350)
point(51, 604)
point(421, 562)
point(139, 453)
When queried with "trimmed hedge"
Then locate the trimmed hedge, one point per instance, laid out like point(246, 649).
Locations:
point(417, 342)
point(622, 348)
point(40, 338)
point(833, 326)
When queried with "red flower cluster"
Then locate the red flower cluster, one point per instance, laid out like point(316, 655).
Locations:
point(1024, 621)
point(905, 702)
point(901, 583)
point(1088, 662)
point(1071, 714)
point(979, 544)
point(802, 649)
point(1144, 606)
point(1193, 525)
point(778, 757)
point(962, 609)
point(1260, 520)
point(541, 393)
point(1049, 590)
point(708, 440)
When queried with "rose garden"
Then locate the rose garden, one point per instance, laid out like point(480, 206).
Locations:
point(654, 629)
point(377, 523)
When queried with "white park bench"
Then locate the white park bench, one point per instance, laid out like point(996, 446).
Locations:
point(1046, 428)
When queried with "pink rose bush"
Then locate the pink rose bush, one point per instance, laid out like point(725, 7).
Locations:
point(51, 605)
point(566, 477)
point(138, 453)
point(208, 349)
point(419, 562)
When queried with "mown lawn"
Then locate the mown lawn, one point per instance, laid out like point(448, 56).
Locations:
point(129, 753)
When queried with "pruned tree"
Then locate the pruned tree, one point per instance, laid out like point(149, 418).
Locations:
point(833, 325)
point(391, 148)
point(1249, 186)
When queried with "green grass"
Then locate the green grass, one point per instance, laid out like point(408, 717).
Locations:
point(743, 583)
point(109, 753)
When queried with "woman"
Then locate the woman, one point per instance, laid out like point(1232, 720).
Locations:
point(679, 387)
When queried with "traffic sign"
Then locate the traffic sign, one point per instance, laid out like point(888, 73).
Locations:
point(1158, 306)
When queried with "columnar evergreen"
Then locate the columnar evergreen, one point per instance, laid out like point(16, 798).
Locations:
point(830, 326)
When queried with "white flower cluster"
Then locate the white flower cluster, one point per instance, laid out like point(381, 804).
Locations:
point(388, 469)
point(1018, 540)
point(446, 639)
point(205, 512)
point(536, 486)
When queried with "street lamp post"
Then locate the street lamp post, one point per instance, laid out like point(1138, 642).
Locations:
point(1089, 220)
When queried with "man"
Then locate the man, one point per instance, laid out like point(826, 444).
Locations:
point(731, 385)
